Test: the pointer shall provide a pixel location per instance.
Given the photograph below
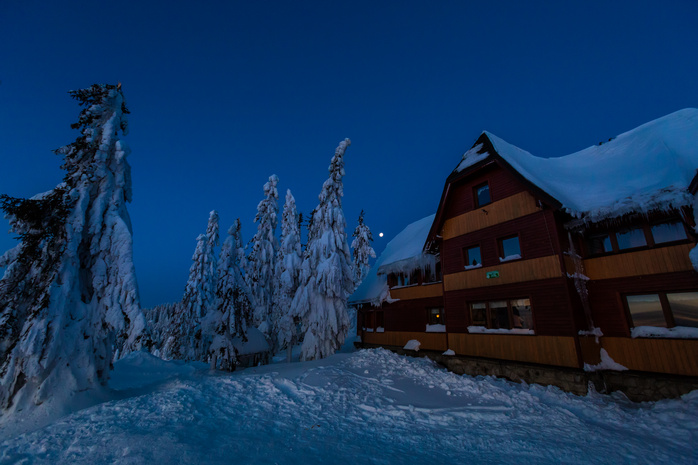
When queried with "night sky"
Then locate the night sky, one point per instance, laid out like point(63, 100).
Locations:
point(224, 94)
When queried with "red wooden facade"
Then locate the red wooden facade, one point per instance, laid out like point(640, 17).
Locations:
point(543, 275)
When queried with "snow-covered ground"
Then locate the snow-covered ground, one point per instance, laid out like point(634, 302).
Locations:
point(366, 407)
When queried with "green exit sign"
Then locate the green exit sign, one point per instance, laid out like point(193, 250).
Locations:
point(492, 274)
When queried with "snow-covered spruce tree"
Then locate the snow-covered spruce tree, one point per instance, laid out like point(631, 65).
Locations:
point(227, 321)
point(288, 266)
point(186, 340)
point(362, 251)
point(326, 273)
point(69, 289)
point(261, 262)
point(159, 322)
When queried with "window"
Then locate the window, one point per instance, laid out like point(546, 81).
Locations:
point(668, 232)
point(380, 320)
point(435, 316)
point(502, 314)
point(667, 309)
point(600, 243)
point(509, 248)
point(471, 256)
point(631, 238)
point(482, 195)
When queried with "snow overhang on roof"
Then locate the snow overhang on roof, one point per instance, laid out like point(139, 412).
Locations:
point(404, 252)
point(645, 169)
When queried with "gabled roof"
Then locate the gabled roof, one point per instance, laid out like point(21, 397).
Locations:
point(647, 168)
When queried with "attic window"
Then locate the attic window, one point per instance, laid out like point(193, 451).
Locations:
point(482, 195)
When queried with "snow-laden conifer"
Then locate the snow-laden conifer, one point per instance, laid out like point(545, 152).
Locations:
point(228, 319)
point(326, 273)
point(362, 251)
point(261, 262)
point(186, 340)
point(69, 289)
point(288, 263)
point(159, 322)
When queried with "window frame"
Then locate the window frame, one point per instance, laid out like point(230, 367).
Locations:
point(664, 301)
point(466, 255)
point(441, 318)
point(500, 248)
point(476, 199)
point(510, 313)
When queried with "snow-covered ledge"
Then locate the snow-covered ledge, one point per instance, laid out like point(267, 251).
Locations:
point(436, 329)
point(473, 267)
point(483, 330)
point(509, 258)
point(678, 332)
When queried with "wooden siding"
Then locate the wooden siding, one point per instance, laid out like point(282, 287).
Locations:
point(546, 350)
point(409, 315)
point(417, 292)
point(502, 184)
point(497, 212)
point(537, 238)
point(552, 313)
point(606, 296)
point(642, 262)
point(510, 272)
point(671, 356)
point(428, 341)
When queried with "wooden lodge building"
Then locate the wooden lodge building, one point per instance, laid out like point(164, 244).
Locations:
point(557, 271)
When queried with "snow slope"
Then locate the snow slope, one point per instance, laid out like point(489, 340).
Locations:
point(371, 407)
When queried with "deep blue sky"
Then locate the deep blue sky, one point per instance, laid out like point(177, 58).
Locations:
point(224, 94)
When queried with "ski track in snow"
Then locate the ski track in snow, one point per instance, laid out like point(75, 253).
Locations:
point(371, 406)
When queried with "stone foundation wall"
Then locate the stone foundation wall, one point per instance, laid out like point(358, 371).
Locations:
point(637, 386)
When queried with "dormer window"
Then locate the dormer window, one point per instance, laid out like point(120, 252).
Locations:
point(482, 195)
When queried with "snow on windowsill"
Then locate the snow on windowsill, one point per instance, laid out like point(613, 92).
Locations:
point(436, 328)
point(472, 267)
point(678, 332)
point(596, 332)
point(449, 352)
point(606, 363)
point(483, 330)
point(379, 329)
point(509, 258)
point(412, 344)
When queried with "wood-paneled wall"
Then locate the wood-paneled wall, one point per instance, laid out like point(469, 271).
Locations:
point(643, 262)
point(672, 356)
point(428, 341)
point(547, 350)
point(552, 314)
point(509, 272)
point(537, 238)
point(417, 291)
point(500, 211)
point(606, 296)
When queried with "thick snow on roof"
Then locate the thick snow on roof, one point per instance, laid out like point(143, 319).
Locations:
point(646, 168)
point(403, 252)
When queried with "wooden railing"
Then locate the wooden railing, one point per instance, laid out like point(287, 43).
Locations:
point(507, 209)
point(509, 272)
point(651, 261)
point(417, 292)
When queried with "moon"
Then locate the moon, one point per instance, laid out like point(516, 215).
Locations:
point(380, 234)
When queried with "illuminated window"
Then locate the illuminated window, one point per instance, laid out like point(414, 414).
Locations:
point(435, 316)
